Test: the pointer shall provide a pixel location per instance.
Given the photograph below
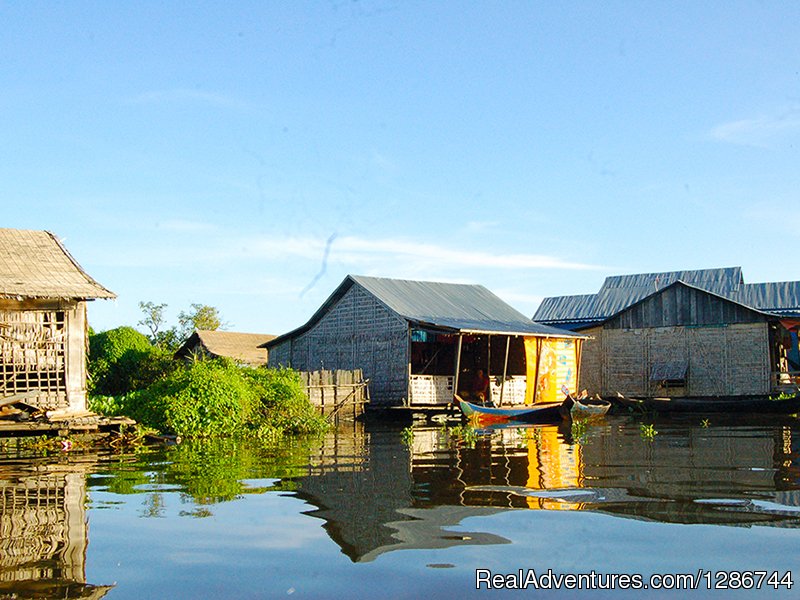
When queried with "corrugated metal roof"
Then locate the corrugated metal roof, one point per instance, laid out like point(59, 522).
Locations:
point(450, 306)
point(567, 308)
point(455, 306)
point(621, 291)
point(780, 297)
point(34, 264)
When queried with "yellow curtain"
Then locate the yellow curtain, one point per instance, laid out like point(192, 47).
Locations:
point(550, 364)
point(531, 362)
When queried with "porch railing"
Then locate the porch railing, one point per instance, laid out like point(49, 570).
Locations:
point(785, 381)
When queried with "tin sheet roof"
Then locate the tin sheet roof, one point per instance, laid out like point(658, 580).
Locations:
point(34, 264)
point(451, 306)
point(780, 297)
point(619, 292)
point(456, 306)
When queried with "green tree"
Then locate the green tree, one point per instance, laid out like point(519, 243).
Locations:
point(201, 316)
point(154, 320)
point(121, 360)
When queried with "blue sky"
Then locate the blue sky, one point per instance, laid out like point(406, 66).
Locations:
point(249, 155)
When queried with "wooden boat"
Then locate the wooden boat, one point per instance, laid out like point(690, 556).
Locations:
point(584, 408)
point(547, 412)
point(730, 404)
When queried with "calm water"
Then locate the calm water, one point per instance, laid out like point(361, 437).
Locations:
point(361, 514)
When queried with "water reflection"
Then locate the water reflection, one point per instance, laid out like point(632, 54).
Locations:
point(373, 494)
point(680, 473)
point(382, 496)
point(43, 529)
point(366, 493)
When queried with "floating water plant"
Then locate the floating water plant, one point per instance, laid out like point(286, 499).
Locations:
point(648, 432)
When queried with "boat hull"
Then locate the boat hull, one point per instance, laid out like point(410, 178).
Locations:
point(577, 410)
point(542, 413)
point(744, 404)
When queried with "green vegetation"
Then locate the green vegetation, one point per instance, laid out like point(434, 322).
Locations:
point(201, 316)
point(123, 360)
point(464, 434)
point(130, 376)
point(407, 435)
point(648, 432)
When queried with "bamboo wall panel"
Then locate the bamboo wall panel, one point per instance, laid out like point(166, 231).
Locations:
point(625, 361)
point(707, 371)
point(357, 333)
point(43, 354)
point(665, 345)
point(591, 375)
point(748, 368)
point(721, 361)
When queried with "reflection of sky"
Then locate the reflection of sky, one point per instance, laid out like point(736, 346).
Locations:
point(268, 544)
point(263, 546)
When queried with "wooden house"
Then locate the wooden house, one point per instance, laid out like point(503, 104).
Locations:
point(43, 328)
point(242, 348)
point(418, 342)
point(689, 333)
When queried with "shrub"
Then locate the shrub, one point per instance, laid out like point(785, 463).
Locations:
point(284, 405)
point(204, 398)
point(213, 398)
point(122, 360)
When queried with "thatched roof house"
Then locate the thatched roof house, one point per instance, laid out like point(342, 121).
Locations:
point(240, 347)
point(43, 294)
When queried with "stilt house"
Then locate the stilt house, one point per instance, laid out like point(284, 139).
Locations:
point(418, 342)
point(242, 348)
point(687, 333)
point(43, 328)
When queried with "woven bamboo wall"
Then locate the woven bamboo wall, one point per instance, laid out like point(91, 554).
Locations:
point(43, 351)
point(591, 375)
point(722, 361)
point(357, 333)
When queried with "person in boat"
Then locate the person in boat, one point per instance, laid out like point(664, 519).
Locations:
point(477, 388)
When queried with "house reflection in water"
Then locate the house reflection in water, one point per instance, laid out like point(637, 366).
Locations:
point(684, 474)
point(377, 495)
point(364, 489)
point(43, 531)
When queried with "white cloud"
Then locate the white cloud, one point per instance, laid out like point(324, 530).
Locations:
point(365, 251)
point(759, 131)
point(389, 257)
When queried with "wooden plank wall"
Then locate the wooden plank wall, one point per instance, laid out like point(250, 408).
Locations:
point(683, 305)
point(339, 394)
point(357, 333)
